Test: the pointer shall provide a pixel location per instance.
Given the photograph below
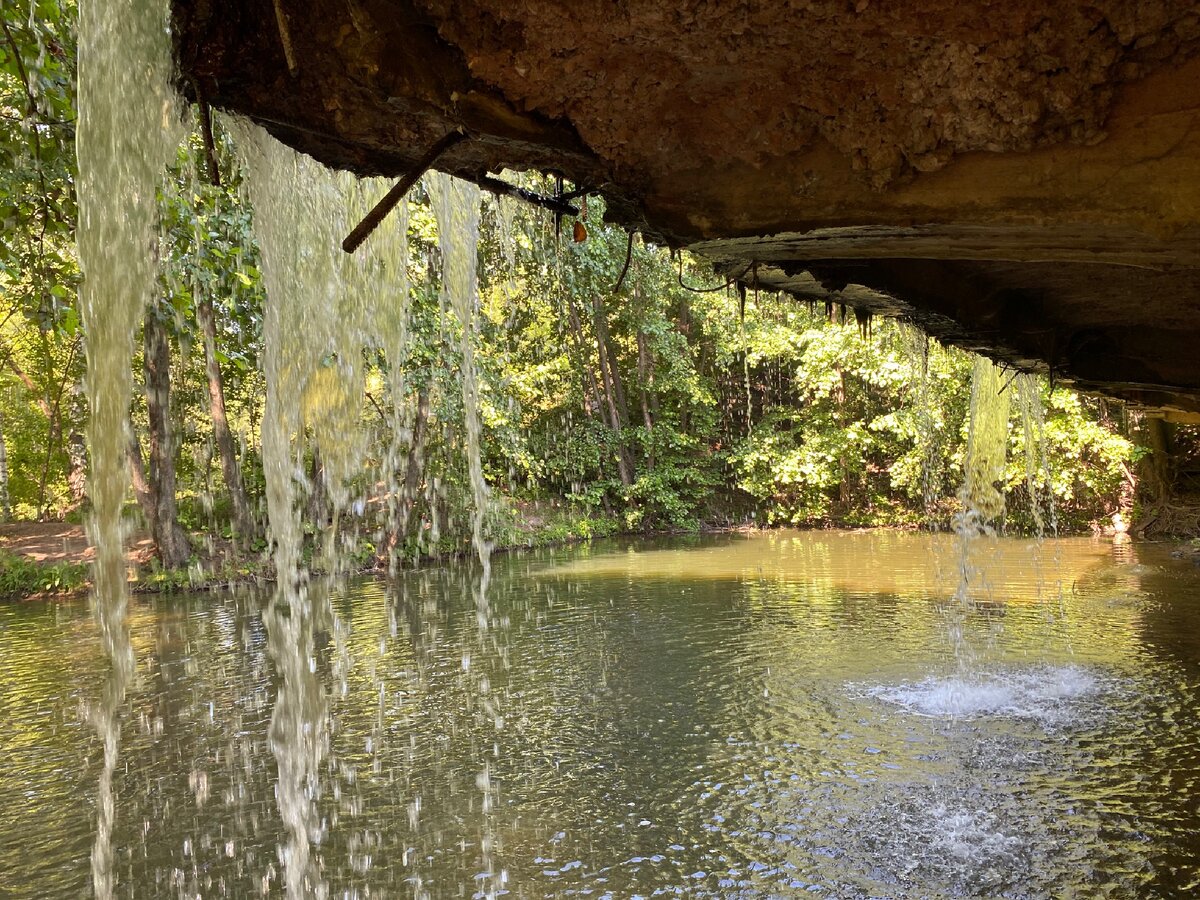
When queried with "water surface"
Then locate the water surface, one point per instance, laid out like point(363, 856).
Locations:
point(776, 715)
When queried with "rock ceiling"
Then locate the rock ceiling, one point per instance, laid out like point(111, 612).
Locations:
point(1019, 176)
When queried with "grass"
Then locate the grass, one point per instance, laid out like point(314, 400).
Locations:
point(534, 525)
point(21, 577)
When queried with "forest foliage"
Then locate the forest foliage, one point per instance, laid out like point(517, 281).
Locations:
point(622, 386)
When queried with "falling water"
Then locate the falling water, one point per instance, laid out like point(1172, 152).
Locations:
point(506, 236)
point(1037, 455)
point(316, 322)
point(981, 496)
point(388, 248)
point(128, 126)
point(456, 205)
point(309, 364)
point(1039, 487)
point(987, 444)
point(915, 344)
point(323, 308)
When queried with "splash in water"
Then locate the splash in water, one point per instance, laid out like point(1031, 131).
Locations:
point(1045, 694)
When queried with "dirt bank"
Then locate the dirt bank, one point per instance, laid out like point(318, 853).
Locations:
point(59, 542)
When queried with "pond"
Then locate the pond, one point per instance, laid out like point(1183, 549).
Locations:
point(774, 715)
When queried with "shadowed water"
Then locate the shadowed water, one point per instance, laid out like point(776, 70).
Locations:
point(768, 716)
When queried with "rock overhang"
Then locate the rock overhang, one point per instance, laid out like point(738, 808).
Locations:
point(1019, 177)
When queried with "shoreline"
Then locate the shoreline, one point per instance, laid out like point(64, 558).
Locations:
point(65, 576)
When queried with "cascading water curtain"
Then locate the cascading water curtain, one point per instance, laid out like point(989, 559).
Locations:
point(456, 205)
point(987, 447)
point(129, 125)
point(324, 309)
point(980, 497)
point(298, 214)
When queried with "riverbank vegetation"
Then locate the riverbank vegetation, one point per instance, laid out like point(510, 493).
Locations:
point(22, 577)
point(622, 386)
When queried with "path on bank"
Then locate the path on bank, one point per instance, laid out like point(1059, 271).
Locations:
point(61, 542)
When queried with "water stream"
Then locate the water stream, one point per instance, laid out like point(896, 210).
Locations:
point(720, 716)
point(129, 124)
point(456, 205)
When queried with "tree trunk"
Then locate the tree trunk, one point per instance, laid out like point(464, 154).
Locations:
point(317, 508)
point(169, 536)
point(404, 504)
point(591, 386)
point(137, 474)
point(5, 507)
point(243, 518)
point(53, 436)
point(414, 468)
point(77, 476)
point(77, 479)
point(649, 401)
point(1156, 476)
point(617, 409)
point(701, 365)
point(845, 495)
point(648, 396)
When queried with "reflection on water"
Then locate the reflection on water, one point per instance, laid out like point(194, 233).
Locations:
point(723, 716)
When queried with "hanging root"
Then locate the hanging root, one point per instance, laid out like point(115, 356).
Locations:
point(625, 268)
point(558, 205)
point(711, 290)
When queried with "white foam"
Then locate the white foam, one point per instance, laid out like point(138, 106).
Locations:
point(1042, 693)
point(970, 835)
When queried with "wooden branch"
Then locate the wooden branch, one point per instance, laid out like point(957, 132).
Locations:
point(556, 205)
point(379, 409)
point(21, 72)
point(285, 37)
point(42, 403)
point(372, 219)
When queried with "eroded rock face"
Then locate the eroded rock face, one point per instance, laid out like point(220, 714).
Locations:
point(894, 87)
point(1021, 176)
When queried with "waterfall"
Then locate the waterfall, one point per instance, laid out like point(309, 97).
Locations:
point(915, 345)
point(987, 445)
point(324, 308)
point(456, 205)
point(980, 496)
point(315, 321)
point(1037, 455)
point(128, 127)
